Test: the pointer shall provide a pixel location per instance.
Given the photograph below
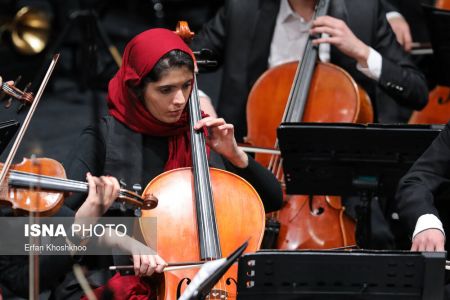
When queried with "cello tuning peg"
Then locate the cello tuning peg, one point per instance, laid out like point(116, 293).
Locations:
point(8, 102)
point(27, 87)
point(137, 188)
point(122, 183)
point(21, 106)
point(18, 79)
point(123, 208)
point(137, 212)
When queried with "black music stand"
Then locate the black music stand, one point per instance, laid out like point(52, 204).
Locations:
point(204, 288)
point(351, 159)
point(341, 275)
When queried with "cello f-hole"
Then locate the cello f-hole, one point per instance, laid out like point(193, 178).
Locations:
point(180, 284)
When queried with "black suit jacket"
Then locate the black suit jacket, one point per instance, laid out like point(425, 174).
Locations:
point(241, 33)
point(426, 184)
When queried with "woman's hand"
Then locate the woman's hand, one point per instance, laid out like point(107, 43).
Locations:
point(146, 265)
point(102, 193)
point(221, 139)
point(341, 37)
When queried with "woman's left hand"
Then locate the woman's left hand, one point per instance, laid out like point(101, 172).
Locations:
point(221, 139)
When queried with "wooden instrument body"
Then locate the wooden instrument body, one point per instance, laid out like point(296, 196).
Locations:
point(28, 200)
point(318, 222)
point(334, 97)
point(437, 111)
point(239, 218)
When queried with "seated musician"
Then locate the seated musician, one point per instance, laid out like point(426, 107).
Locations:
point(147, 131)
point(421, 190)
point(360, 41)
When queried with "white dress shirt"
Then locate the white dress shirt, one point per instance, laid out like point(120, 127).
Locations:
point(290, 37)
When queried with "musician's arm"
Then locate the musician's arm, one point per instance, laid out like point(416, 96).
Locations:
point(87, 156)
point(418, 189)
point(399, 78)
point(264, 182)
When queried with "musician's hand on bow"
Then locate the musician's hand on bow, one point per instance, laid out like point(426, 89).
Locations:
point(429, 240)
point(221, 139)
point(341, 37)
point(146, 265)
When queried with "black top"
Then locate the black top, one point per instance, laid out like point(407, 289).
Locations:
point(14, 269)
point(116, 150)
point(426, 182)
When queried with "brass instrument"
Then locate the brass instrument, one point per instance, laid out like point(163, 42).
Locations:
point(30, 30)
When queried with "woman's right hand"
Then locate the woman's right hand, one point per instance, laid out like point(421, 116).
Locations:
point(146, 264)
point(103, 191)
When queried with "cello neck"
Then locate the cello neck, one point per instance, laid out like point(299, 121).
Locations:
point(206, 216)
point(300, 88)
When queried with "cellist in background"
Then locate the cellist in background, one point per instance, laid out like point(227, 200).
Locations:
point(361, 42)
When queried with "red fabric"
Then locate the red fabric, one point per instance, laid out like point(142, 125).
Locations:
point(140, 56)
point(124, 288)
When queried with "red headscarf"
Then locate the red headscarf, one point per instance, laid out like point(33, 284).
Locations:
point(124, 288)
point(140, 56)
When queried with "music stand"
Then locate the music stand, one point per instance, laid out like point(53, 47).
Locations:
point(350, 159)
point(343, 275)
point(203, 289)
point(438, 21)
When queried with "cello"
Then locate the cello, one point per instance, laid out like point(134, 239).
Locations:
point(437, 110)
point(308, 91)
point(199, 217)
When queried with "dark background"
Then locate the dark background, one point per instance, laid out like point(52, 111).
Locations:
point(76, 93)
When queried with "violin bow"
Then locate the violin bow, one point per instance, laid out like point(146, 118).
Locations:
point(33, 258)
point(27, 120)
point(170, 266)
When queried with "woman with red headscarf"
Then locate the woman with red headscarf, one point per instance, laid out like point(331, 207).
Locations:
point(147, 133)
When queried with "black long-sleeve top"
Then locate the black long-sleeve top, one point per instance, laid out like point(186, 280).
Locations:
point(426, 182)
point(14, 269)
point(116, 150)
